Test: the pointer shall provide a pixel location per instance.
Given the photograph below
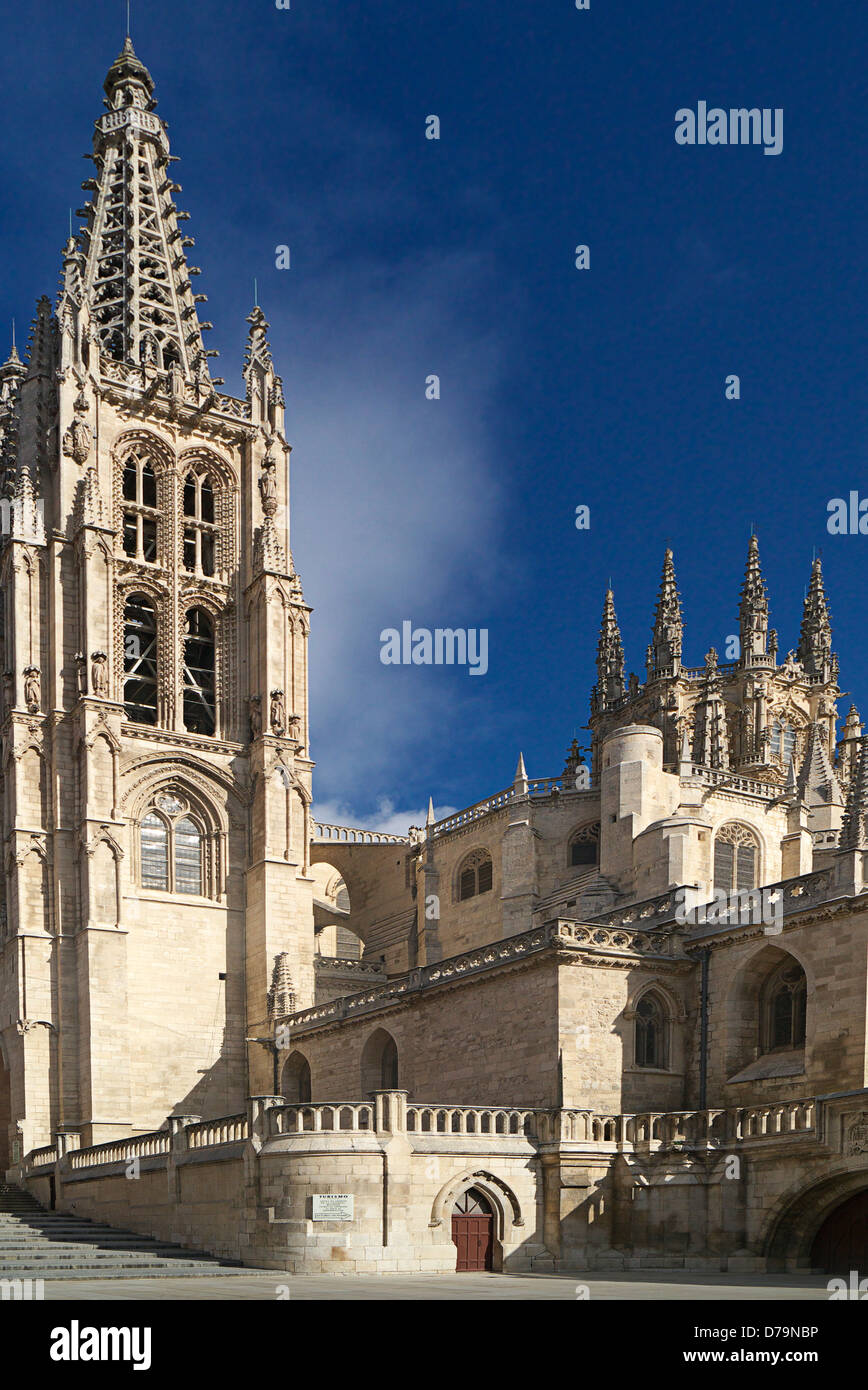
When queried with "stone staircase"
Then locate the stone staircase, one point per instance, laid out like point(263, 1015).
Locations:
point(40, 1244)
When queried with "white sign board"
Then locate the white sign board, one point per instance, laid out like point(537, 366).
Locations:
point(333, 1206)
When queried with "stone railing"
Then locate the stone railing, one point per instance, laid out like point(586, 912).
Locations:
point(349, 1116)
point(209, 1134)
point(771, 1121)
point(122, 1150)
point(657, 943)
point(644, 915)
point(559, 933)
point(389, 1112)
point(470, 1119)
point(42, 1158)
point(202, 397)
point(725, 780)
point(321, 833)
point(341, 963)
point(536, 787)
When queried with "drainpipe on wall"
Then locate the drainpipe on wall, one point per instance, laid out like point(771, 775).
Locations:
point(704, 957)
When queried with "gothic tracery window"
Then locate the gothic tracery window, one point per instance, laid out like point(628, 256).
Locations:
point(200, 711)
point(476, 875)
point(585, 847)
point(784, 1008)
point(140, 659)
point(736, 858)
point(140, 515)
point(783, 740)
point(650, 1032)
point(200, 530)
point(171, 848)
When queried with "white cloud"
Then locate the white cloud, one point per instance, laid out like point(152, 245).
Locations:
point(385, 819)
point(395, 506)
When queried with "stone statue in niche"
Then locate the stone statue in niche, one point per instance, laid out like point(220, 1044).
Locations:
point(278, 713)
point(77, 441)
point(32, 695)
point(268, 485)
point(99, 674)
point(254, 710)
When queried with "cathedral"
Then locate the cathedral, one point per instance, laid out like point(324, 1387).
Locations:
point(613, 1018)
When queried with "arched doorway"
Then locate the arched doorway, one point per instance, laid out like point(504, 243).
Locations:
point(841, 1244)
point(473, 1231)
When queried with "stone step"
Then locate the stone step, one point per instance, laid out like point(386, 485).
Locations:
point(40, 1244)
point(146, 1272)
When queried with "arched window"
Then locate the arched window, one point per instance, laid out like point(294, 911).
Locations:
point(295, 1079)
point(200, 531)
point(651, 1030)
point(140, 518)
point(200, 712)
point(389, 1066)
point(783, 740)
point(140, 659)
point(784, 1008)
point(155, 853)
point(188, 857)
point(475, 875)
point(171, 848)
point(379, 1063)
point(736, 858)
point(585, 847)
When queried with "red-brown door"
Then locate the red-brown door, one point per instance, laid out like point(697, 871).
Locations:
point(842, 1240)
point(473, 1232)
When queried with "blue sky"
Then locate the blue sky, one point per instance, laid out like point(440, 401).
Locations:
point(559, 387)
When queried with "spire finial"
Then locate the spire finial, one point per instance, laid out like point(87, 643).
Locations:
point(128, 19)
point(665, 650)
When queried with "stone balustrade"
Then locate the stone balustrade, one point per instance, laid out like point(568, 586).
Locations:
point(322, 833)
point(470, 1119)
point(301, 1119)
point(42, 1158)
point(122, 1150)
point(271, 1117)
point(207, 1134)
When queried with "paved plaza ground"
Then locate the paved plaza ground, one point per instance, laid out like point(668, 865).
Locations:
point(654, 1285)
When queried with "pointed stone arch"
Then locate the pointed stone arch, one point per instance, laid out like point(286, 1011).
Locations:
point(508, 1215)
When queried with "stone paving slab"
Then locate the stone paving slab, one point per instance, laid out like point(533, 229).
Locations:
point(659, 1287)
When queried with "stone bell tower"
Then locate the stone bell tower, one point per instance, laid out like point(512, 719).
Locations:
point(155, 745)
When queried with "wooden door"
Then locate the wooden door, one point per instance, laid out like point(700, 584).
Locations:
point(842, 1241)
point(473, 1232)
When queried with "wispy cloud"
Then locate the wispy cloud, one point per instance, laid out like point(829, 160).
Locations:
point(385, 818)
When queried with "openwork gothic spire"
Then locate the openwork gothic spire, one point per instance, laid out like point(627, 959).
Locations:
point(128, 262)
point(710, 734)
point(610, 659)
point(753, 612)
point(815, 638)
point(854, 831)
point(668, 625)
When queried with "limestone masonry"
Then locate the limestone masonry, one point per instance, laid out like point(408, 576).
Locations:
point(501, 1039)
